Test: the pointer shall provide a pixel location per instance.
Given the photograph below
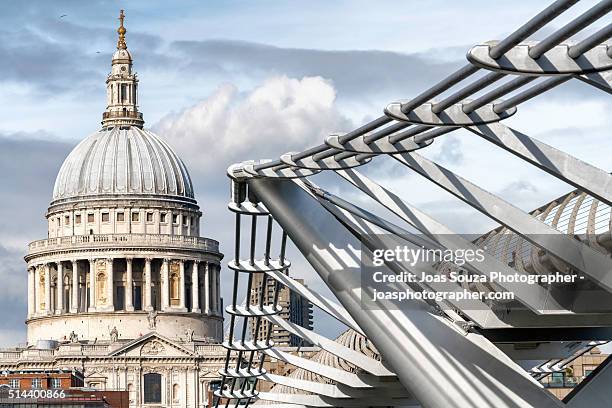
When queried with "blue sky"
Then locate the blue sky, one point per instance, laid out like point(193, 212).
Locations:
point(254, 79)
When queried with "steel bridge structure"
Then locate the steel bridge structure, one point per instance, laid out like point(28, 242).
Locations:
point(435, 352)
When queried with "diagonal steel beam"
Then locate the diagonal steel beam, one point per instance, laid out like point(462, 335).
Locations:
point(369, 232)
point(318, 388)
point(562, 165)
point(374, 400)
point(601, 80)
point(333, 390)
point(366, 363)
point(340, 376)
point(328, 306)
point(535, 297)
point(577, 254)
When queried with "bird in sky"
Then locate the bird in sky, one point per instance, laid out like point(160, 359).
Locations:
point(63, 15)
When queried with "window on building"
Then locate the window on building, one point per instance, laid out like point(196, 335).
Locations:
point(36, 383)
point(185, 220)
point(105, 217)
point(14, 383)
point(149, 217)
point(152, 388)
point(67, 220)
point(162, 217)
point(58, 221)
point(56, 383)
point(175, 219)
point(120, 216)
point(90, 218)
point(77, 219)
point(135, 217)
point(556, 380)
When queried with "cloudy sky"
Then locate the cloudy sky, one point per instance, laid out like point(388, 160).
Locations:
point(226, 81)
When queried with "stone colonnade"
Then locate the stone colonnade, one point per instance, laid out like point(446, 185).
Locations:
point(126, 283)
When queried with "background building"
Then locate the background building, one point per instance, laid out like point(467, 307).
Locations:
point(51, 383)
point(124, 289)
point(561, 383)
point(295, 310)
point(41, 379)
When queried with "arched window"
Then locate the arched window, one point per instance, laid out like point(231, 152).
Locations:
point(152, 388)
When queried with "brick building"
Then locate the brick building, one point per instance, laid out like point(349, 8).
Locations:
point(560, 384)
point(41, 379)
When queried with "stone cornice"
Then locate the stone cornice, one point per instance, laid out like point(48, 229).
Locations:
point(164, 203)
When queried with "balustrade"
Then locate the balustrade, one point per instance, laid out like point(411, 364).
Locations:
point(94, 240)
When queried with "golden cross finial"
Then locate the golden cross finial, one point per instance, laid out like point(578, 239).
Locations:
point(121, 31)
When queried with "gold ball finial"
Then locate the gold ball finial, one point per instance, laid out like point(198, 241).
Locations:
point(121, 31)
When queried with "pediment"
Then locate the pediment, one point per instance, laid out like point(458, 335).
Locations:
point(152, 345)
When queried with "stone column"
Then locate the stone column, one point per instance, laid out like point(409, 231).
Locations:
point(147, 288)
point(207, 287)
point(165, 281)
point(138, 386)
point(185, 374)
point(31, 292)
point(196, 387)
point(48, 289)
point(129, 290)
point(59, 307)
point(168, 378)
point(171, 222)
point(182, 285)
point(213, 289)
point(110, 294)
point(92, 285)
point(218, 289)
point(36, 275)
point(195, 288)
point(74, 304)
point(205, 393)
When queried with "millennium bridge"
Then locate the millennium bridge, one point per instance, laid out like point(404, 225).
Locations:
point(436, 351)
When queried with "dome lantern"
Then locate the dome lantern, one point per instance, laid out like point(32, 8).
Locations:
point(122, 87)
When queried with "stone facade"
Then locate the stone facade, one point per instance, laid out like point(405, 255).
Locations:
point(124, 288)
point(187, 369)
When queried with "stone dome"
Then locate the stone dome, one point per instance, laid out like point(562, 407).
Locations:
point(122, 55)
point(122, 161)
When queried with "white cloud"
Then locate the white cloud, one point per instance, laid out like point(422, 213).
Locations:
point(281, 114)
